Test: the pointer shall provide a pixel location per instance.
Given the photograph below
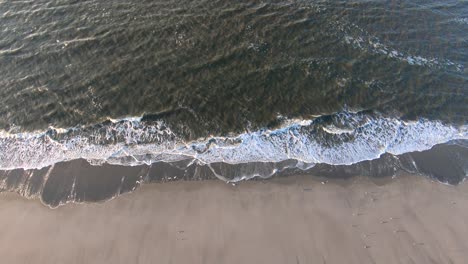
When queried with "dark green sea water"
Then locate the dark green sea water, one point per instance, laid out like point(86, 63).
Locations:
point(222, 66)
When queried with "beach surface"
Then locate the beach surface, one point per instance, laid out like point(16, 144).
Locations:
point(303, 219)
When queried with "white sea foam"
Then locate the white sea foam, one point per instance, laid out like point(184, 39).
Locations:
point(361, 39)
point(10, 51)
point(463, 21)
point(349, 139)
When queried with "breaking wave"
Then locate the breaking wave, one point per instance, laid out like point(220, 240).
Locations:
point(339, 139)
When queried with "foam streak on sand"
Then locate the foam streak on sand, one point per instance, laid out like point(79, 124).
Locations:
point(340, 139)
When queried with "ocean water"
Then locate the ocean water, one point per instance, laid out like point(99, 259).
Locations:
point(255, 87)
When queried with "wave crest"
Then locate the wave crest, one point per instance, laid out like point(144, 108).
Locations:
point(340, 139)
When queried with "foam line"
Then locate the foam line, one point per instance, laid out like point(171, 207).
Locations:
point(340, 139)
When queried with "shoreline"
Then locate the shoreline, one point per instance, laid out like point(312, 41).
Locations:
point(79, 181)
point(297, 219)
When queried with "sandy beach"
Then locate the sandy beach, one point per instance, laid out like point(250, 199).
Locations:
point(293, 220)
point(233, 132)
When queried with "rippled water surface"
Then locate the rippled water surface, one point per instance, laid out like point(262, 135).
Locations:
point(138, 82)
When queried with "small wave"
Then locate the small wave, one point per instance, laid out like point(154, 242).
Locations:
point(10, 51)
point(361, 39)
point(339, 139)
point(76, 40)
point(462, 21)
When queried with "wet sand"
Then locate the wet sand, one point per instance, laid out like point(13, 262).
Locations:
point(290, 220)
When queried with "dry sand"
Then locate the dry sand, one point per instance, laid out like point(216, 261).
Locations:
point(292, 220)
